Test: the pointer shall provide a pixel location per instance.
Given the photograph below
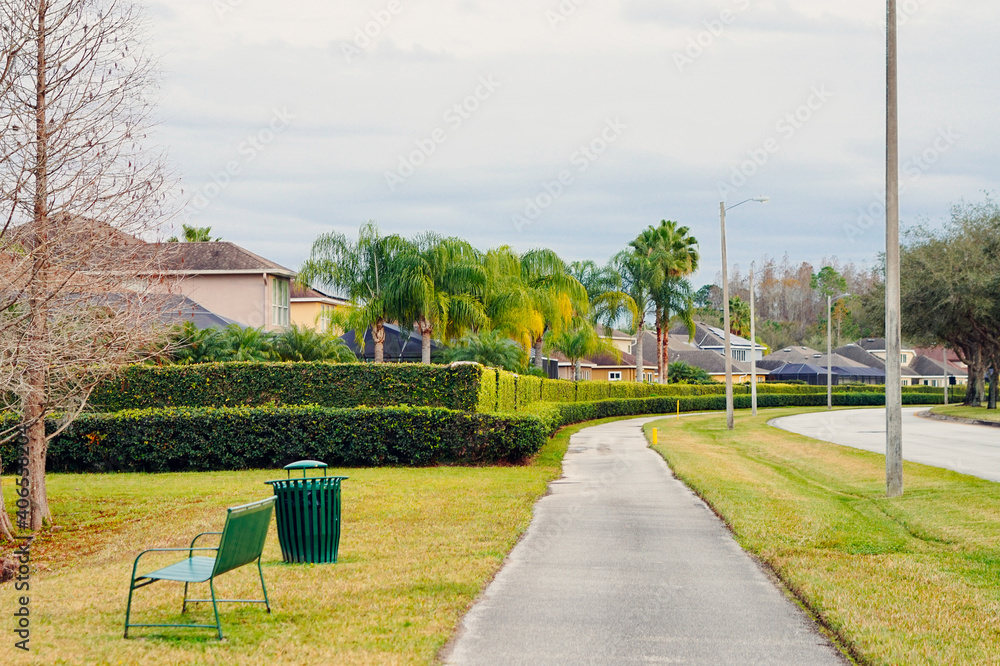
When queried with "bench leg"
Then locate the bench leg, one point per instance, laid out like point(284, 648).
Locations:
point(215, 607)
point(185, 604)
point(128, 608)
point(263, 586)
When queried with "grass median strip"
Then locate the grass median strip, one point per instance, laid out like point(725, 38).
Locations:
point(963, 412)
point(910, 580)
point(417, 547)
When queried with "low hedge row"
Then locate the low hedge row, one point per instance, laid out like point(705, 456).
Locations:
point(325, 384)
point(557, 415)
point(189, 439)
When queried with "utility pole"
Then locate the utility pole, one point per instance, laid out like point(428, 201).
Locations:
point(829, 352)
point(753, 347)
point(893, 342)
point(730, 417)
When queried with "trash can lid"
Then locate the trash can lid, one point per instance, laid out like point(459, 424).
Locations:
point(306, 464)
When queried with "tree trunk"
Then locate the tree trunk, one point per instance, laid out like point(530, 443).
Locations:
point(666, 353)
point(576, 370)
point(538, 354)
point(638, 352)
point(378, 338)
point(994, 387)
point(425, 342)
point(659, 353)
point(34, 398)
point(976, 389)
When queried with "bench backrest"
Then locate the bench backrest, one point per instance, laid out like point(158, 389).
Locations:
point(244, 534)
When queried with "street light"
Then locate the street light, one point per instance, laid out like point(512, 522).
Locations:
point(829, 347)
point(730, 419)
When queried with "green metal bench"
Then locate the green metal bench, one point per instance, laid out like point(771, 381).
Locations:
point(241, 542)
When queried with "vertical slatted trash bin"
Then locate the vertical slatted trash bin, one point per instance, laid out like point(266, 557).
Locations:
point(308, 514)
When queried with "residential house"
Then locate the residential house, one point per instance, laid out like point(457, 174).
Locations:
point(311, 308)
point(711, 338)
point(231, 281)
point(876, 347)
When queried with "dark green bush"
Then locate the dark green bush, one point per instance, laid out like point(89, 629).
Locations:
point(325, 384)
point(190, 439)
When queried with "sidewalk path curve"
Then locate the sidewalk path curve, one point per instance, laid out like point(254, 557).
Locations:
point(622, 564)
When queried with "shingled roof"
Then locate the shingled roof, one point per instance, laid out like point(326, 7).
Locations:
point(216, 257)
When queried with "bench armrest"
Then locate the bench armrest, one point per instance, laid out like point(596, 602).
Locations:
point(201, 535)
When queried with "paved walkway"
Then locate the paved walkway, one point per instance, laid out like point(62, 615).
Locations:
point(969, 449)
point(622, 564)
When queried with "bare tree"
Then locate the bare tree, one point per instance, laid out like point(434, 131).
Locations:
point(81, 288)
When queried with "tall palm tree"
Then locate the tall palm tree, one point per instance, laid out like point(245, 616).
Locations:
point(580, 342)
point(639, 277)
point(558, 295)
point(509, 301)
point(439, 286)
point(674, 253)
point(363, 271)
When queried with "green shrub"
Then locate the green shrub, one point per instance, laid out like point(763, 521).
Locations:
point(189, 439)
point(558, 390)
point(506, 392)
point(487, 391)
point(529, 391)
point(324, 384)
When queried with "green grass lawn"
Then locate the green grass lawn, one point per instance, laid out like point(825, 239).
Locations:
point(903, 581)
point(417, 547)
point(960, 411)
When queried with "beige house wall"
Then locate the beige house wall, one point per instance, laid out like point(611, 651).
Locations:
point(306, 315)
point(243, 298)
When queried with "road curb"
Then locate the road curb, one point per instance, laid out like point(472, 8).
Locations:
point(957, 419)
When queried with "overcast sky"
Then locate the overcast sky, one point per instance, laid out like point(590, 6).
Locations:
point(574, 124)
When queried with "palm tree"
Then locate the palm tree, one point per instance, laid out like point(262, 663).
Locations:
point(739, 317)
point(491, 348)
point(195, 235)
point(580, 342)
point(558, 295)
point(440, 286)
point(363, 271)
point(639, 277)
point(247, 344)
point(509, 301)
point(305, 344)
point(674, 253)
point(194, 345)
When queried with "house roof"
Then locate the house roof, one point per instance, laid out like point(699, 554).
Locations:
point(396, 348)
point(709, 337)
point(712, 363)
point(609, 361)
point(177, 309)
point(613, 333)
point(872, 344)
point(563, 360)
point(925, 366)
point(861, 355)
point(810, 356)
point(299, 293)
point(216, 257)
point(807, 369)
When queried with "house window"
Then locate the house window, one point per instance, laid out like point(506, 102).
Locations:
point(279, 302)
point(614, 376)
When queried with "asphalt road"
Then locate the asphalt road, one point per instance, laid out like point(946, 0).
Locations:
point(969, 449)
point(622, 564)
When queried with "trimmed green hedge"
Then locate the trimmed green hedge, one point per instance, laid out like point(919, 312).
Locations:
point(325, 384)
point(188, 439)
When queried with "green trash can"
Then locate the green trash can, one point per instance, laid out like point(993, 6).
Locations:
point(308, 514)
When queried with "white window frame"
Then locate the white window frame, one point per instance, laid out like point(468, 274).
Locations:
point(280, 304)
point(614, 376)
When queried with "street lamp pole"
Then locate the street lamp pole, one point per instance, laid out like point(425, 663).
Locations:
point(753, 346)
point(730, 417)
point(829, 348)
point(893, 342)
